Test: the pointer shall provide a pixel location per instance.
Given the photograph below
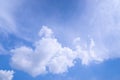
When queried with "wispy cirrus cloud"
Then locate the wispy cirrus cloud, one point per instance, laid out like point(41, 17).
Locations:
point(7, 18)
point(105, 24)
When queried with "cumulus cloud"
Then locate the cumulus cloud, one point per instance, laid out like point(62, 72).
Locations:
point(48, 52)
point(6, 75)
point(50, 56)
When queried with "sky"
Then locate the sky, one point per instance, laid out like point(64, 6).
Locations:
point(59, 39)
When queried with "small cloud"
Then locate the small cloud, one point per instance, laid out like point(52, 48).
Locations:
point(6, 75)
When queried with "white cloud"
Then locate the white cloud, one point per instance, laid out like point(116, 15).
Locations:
point(50, 56)
point(88, 53)
point(105, 22)
point(101, 21)
point(6, 75)
point(62, 60)
point(48, 52)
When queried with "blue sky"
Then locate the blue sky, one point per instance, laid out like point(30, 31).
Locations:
point(59, 39)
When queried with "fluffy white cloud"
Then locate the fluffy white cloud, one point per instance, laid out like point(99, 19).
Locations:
point(48, 52)
point(6, 75)
point(50, 55)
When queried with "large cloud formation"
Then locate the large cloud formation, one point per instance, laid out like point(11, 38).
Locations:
point(6, 75)
point(50, 55)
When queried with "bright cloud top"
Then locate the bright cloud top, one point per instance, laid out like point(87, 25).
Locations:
point(6, 75)
point(50, 56)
